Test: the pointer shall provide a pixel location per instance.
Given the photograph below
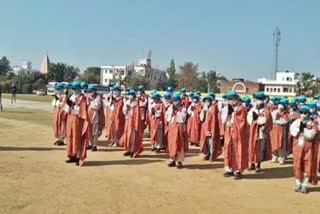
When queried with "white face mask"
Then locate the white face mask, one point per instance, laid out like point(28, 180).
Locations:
point(259, 102)
point(130, 97)
point(139, 94)
point(303, 116)
point(312, 110)
point(207, 103)
point(176, 103)
point(233, 102)
point(194, 101)
point(116, 94)
point(280, 107)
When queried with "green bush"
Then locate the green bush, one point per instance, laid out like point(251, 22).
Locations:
point(26, 88)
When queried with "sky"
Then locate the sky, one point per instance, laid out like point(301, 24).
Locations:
point(234, 37)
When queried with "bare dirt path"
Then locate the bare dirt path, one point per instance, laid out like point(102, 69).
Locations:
point(35, 179)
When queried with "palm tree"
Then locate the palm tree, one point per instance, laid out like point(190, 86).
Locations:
point(307, 84)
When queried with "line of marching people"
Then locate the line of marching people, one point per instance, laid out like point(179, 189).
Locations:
point(247, 132)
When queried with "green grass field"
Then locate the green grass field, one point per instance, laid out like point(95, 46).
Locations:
point(30, 97)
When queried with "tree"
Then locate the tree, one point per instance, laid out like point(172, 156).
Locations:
point(4, 66)
point(92, 75)
point(307, 84)
point(188, 76)
point(135, 81)
point(171, 71)
point(62, 72)
point(203, 82)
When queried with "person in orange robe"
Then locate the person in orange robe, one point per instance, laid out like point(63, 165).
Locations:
point(210, 144)
point(133, 133)
point(115, 116)
point(143, 103)
point(194, 123)
point(224, 108)
point(95, 117)
point(305, 150)
point(167, 102)
point(157, 123)
point(318, 124)
point(77, 125)
point(185, 98)
point(59, 115)
point(176, 116)
point(279, 134)
point(260, 120)
point(235, 143)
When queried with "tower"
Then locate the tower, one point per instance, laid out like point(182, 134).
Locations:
point(276, 40)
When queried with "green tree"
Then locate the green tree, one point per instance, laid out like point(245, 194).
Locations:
point(135, 81)
point(4, 66)
point(92, 75)
point(62, 72)
point(188, 76)
point(203, 82)
point(171, 71)
point(307, 84)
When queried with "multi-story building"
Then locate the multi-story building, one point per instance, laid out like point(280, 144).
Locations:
point(118, 73)
point(25, 67)
point(284, 84)
point(115, 73)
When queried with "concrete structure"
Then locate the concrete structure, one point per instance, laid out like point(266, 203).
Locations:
point(117, 73)
point(45, 65)
point(241, 86)
point(284, 85)
point(26, 67)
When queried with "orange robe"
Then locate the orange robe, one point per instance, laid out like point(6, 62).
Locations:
point(156, 122)
point(115, 119)
point(77, 126)
point(254, 144)
point(194, 124)
point(60, 118)
point(305, 157)
point(143, 105)
point(185, 101)
point(132, 136)
point(235, 143)
point(92, 115)
point(211, 124)
point(279, 134)
point(177, 133)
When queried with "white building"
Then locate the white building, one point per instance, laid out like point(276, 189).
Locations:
point(111, 73)
point(115, 72)
point(26, 67)
point(284, 85)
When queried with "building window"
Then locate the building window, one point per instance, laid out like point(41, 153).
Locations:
point(285, 90)
point(105, 71)
point(267, 89)
point(122, 72)
point(110, 71)
point(274, 89)
point(278, 89)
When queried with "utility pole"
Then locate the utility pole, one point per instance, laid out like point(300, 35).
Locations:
point(276, 40)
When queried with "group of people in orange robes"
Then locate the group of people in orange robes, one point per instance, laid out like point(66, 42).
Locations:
point(246, 132)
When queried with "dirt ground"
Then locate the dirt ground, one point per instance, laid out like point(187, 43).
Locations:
point(35, 179)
